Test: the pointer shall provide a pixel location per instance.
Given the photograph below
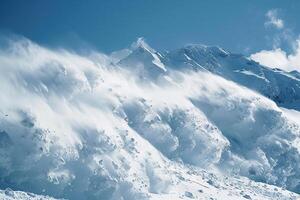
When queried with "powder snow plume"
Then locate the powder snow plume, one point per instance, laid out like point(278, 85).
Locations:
point(139, 124)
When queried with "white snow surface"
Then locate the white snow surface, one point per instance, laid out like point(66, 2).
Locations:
point(88, 127)
point(9, 194)
point(280, 86)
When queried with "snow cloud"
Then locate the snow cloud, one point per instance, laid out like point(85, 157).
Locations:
point(273, 19)
point(279, 58)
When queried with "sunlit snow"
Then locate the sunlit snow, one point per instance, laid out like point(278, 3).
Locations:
point(144, 125)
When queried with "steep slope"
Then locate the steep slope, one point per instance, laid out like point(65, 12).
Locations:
point(143, 60)
point(91, 127)
point(282, 87)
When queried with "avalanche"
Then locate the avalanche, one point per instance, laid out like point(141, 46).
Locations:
point(139, 124)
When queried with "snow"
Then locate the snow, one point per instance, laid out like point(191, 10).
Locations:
point(251, 74)
point(282, 87)
point(120, 127)
point(142, 53)
point(9, 194)
point(157, 62)
point(291, 114)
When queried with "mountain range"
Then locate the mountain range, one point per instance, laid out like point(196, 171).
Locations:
point(197, 122)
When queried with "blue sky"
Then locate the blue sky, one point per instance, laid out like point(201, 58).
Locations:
point(237, 25)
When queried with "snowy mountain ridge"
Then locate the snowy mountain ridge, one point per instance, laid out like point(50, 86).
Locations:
point(282, 87)
point(139, 124)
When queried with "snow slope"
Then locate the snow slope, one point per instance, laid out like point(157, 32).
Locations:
point(9, 194)
point(282, 87)
point(134, 126)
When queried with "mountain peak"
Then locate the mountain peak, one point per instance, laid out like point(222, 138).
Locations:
point(140, 43)
point(141, 52)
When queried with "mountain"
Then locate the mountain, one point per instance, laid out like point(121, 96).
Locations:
point(143, 60)
point(192, 123)
point(9, 194)
point(278, 85)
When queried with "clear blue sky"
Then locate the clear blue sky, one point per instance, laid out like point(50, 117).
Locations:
point(237, 25)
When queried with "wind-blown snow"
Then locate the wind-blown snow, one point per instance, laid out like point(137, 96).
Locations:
point(9, 194)
point(281, 86)
point(128, 127)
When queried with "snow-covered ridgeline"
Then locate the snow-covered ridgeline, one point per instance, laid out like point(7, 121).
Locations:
point(88, 127)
